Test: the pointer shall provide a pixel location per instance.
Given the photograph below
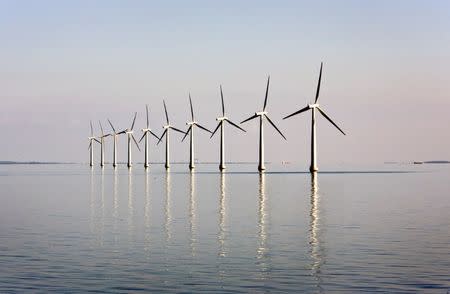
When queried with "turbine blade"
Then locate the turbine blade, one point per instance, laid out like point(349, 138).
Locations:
point(90, 145)
point(235, 125)
point(297, 112)
point(135, 142)
point(112, 126)
point(107, 135)
point(134, 120)
point(250, 118)
point(97, 141)
point(145, 133)
point(178, 130)
point(273, 125)
point(187, 132)
point(318, 83)
point(92, 129)
point(154, 135)
point(146, 110)
point(215, 130)
point(101, 128)
point(162, 136)
point(165, 110)
point(223, 104)
point(205, 129)
point(192, 109)
point(267, 93)
point(329, 119)
point(122, 132)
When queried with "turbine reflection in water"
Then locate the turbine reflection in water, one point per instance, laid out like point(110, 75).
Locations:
point(221, 235)
point(115, 207)
point(97, 207)
point(102, 206)
point(92, 201)
point(316, 250)
point(147, 213)
point(131, 226)
point(222, 218)
point(168, 216)
point(192, 216)
point(262, 252)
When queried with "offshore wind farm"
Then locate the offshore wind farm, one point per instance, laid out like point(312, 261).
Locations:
point(192, 124)
point(224, 147)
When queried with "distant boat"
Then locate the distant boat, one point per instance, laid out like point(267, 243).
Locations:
point(418, 162)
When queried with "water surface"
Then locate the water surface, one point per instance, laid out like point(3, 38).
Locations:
point(69, 228)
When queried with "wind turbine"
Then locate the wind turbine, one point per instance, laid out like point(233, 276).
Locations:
point(190, 131)
point(221, 121)
point(115, 134)
point(129, 132)
point(145, 135)
point(102, 142)
point(263, 115)
point(91, 147)
point(166, 132)
point(313, 107)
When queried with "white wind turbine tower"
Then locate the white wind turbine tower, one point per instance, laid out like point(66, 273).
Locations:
point(263, 115)
point(221, 121)
point(91, 146)
point(102, 145)
point(190, 131)
point(129, 132)
point(146, 131)
point(115, 135)
point(313, 107)
point(166, 132)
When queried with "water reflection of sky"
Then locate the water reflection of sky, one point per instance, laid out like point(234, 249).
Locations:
point(207, 230)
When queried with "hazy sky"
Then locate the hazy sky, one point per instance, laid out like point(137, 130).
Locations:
point(386, 77)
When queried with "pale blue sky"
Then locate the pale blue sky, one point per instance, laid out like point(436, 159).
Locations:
point(386, 75)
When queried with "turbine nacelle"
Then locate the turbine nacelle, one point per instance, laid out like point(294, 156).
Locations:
point(191, 123)
point(91, 138)
point(315, 105)
point(146, 130)
point(261, 113)
point(222, 118)
point(129, 132)
point(166, 127)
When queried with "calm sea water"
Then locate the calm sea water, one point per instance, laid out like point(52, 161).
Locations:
point(67, 228)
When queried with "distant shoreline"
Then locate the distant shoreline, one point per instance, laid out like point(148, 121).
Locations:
point(35, 162)
point(5, 162)
point(10, 162)
point(419, 162)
